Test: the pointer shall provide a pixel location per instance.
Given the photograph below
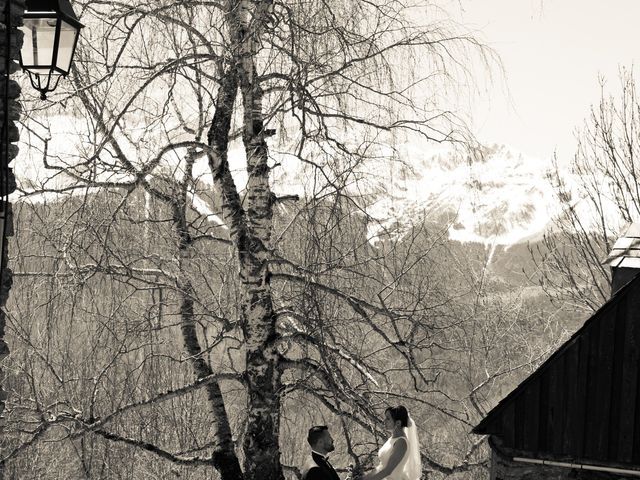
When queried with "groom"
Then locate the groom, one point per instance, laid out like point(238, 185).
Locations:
point(317, 466)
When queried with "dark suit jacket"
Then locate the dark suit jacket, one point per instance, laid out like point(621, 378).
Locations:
point(320, 469)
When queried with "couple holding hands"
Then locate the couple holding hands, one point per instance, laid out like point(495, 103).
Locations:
point(399, 457)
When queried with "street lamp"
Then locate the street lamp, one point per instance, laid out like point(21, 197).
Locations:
point(51, 31)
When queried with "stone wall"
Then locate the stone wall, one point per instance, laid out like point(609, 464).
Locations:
point(504, 468)
point(10, 105)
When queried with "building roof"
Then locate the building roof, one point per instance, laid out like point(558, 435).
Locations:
point(626, 251)
point(583, 402)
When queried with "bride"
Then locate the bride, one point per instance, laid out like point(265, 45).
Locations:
point(400, 455)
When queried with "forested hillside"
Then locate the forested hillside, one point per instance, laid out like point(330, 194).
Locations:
point(102, 383)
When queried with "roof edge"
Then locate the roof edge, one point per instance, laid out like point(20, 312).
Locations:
point(482, 427)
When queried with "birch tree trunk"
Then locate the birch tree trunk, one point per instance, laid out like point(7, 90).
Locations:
point(259, 322)
point(250, 231)
point(223, 458)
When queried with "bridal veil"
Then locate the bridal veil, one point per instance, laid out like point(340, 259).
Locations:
point(413, 467)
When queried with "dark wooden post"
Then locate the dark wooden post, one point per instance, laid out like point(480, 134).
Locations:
point(10, 43)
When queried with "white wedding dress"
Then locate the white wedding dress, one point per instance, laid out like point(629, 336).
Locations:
point(410, 467)
point(385, 453)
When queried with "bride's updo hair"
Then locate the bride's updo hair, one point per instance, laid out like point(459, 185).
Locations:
point(399, 413)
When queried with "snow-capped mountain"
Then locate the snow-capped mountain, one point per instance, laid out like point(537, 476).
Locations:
point(495, 196)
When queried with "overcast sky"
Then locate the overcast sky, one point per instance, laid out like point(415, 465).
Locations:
point(552, 52)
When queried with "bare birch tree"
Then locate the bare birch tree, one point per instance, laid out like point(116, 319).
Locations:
point(281, 301)
point(599, 196)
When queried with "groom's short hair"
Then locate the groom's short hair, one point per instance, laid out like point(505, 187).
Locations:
point(316, 433)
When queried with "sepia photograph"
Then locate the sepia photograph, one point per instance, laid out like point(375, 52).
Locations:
point(319, 240)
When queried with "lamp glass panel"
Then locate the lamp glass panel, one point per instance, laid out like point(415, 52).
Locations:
point(26, 52)
point(66, 46)
point(39, 36)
